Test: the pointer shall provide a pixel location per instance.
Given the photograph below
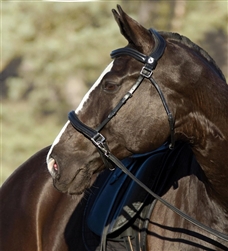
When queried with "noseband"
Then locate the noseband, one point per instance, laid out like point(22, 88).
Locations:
point(98, 139)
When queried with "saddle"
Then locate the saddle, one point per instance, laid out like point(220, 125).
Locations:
point(118, 208)
point(120, 198)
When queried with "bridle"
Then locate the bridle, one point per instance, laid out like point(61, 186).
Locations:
point(150, 63)
point(99, 140)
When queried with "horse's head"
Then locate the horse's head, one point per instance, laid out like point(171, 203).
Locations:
point(141, 124)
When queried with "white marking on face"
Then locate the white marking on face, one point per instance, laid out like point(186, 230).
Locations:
point(55, 143)
point(86, 97)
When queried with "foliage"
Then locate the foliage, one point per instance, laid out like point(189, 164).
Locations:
point(51, 38)
point(23, 135)
point(63, 48)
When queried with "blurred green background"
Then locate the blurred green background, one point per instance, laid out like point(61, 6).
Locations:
point(52, 52)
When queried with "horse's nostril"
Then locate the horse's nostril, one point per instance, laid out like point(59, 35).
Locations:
point(53, 166)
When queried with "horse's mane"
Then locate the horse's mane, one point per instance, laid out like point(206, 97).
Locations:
point(186, 41)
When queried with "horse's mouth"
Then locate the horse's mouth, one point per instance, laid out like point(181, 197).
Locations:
point(75, 180)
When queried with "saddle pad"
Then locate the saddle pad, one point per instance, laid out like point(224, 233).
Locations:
point(120, 198)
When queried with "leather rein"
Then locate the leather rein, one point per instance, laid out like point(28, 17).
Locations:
point(99, 140)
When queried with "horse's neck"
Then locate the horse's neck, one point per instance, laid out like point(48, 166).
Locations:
point(213, 159)
point(206, 129)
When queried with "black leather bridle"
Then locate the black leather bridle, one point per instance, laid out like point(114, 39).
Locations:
point(150, 63)
point(99, 140)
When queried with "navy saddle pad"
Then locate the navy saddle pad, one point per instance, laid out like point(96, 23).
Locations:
point(119, 198)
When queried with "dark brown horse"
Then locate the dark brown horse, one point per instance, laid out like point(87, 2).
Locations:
point(195, 94)
point(36, 217)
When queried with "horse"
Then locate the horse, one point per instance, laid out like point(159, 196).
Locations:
point(35, 216)
point(180, 94)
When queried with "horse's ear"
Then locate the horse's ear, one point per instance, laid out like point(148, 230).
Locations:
point(135, 33)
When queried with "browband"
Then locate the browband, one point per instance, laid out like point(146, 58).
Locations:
point(158, 51)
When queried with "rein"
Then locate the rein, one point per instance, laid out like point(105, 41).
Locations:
point(99, 140)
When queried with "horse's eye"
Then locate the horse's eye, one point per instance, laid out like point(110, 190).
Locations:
point(110, 87)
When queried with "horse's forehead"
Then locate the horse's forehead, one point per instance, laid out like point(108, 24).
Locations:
point(86, 97)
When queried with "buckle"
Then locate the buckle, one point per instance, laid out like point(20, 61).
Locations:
point(146, 72)
point(99, 141)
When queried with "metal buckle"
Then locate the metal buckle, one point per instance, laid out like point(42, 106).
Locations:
point(146, 72)
point(99, 141)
